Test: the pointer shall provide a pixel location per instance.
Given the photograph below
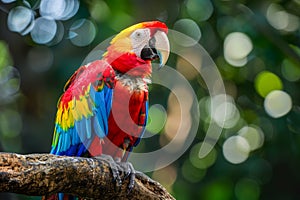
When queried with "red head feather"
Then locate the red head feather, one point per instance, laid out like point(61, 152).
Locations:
point(154, 26)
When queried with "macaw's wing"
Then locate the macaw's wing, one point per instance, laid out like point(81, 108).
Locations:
point(83, 109)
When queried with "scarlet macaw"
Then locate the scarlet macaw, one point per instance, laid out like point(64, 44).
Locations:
point(104, 107)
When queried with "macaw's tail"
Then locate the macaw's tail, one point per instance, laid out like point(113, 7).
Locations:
point(60, 196)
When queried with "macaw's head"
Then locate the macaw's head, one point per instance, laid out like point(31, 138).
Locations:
point(133, 49)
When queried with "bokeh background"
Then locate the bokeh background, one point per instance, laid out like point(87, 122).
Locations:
point(255, 45)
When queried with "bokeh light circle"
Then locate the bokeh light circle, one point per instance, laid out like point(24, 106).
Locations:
point(205, 162)
point(199, 10)
point(225, 113)
point(20, 19)
point(266, 82)
point(53, 9)
point(9, 83)
point(237, 46)
point(236, 149)
point(290, 71)
point(189, 28)
point(71, 9)
point(157, 117)
point(280, 19)
point(82, 32)
point(278, 103)
point(59, 9)
point(100, 11)
point(166, 176)
point(254, 136)
point(8, 1)
point(60, 31)
point(44, 30)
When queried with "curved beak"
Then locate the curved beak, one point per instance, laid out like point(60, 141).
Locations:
point(158, 48)
point(162, 46)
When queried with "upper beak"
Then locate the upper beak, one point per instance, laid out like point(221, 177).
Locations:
point(158, 48)
point(162, 46)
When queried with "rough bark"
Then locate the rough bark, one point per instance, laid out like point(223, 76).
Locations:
point(44, 174)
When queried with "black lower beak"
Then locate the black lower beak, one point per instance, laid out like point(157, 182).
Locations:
point(149, 53)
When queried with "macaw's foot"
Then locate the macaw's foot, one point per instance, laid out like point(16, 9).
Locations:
point(124, 167)
point(129, 171)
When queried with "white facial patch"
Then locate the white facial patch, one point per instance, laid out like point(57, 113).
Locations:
point(139, 39)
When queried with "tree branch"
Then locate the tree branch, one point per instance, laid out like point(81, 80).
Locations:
point(45, 174)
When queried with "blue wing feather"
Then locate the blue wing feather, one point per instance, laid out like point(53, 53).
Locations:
point(76, 140)
point(88, 128)
point(98, 128)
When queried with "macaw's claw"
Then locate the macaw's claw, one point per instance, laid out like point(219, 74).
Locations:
point(129, 171)
point(115, 168)
point(123, 167)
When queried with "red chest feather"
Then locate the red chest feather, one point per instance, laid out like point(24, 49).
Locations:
point(127, 117)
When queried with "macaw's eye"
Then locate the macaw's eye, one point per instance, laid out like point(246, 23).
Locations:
point(140, 34)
